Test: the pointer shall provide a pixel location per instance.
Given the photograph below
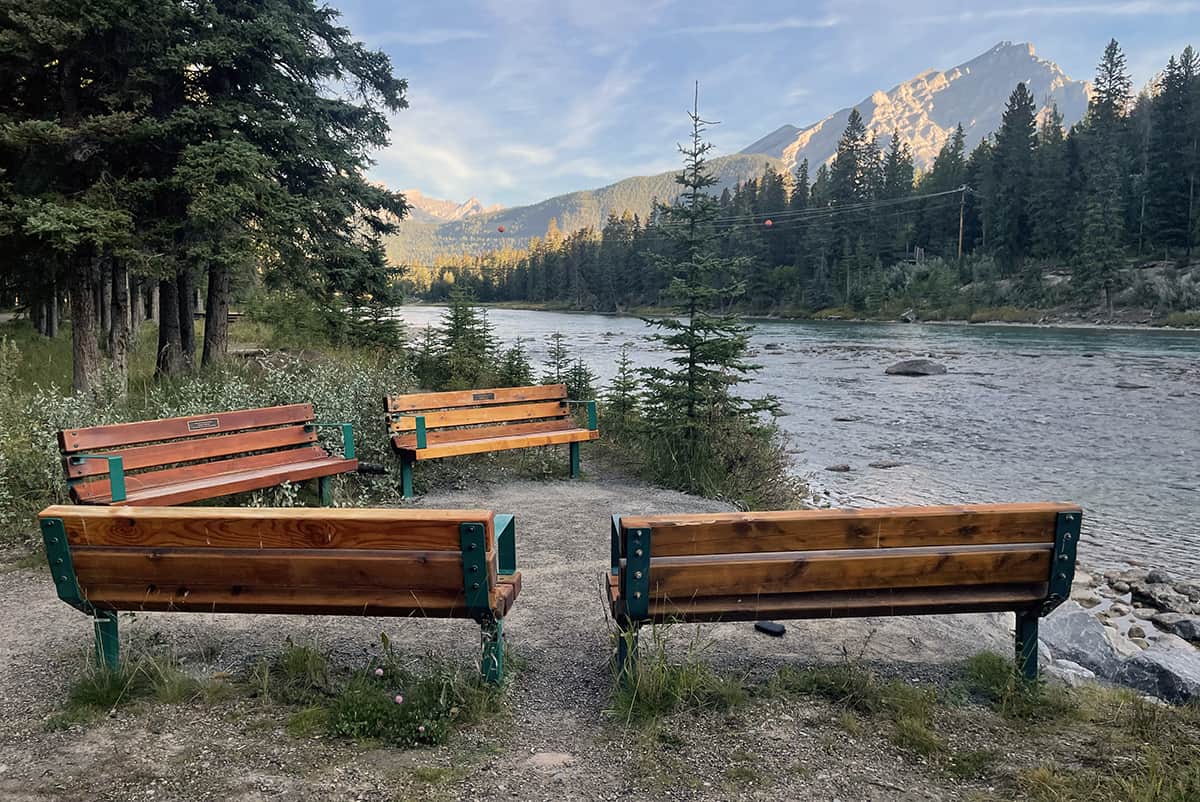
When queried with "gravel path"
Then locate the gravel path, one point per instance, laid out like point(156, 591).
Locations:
point(557, 743)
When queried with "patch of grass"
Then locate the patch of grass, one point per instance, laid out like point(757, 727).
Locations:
point(436, 775)
point(1184, 320)
point(849, 721)
point(996, 679)
point(298, 675)
point(970, 764)
point(659, 685)
point(915, 735)
point(99, 690)
point(1006, 314)
point(308, 722)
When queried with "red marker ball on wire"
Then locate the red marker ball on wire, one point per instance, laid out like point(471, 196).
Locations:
point(768, 223)
point(500, 229)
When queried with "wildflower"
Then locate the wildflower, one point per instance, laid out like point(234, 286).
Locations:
point(399, 699)
point(421, 728)
point(379, 672)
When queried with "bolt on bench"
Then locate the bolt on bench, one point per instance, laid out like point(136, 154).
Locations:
point(363, 562)
point(434, 425)
point(844, 563)
point(177, 460)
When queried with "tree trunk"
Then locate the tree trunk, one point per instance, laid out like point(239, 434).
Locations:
point(216, 316)
point(118, 335)
point(169, 361)
point(105, 299)
point(187, 318)
point(37, 316)
point(152, 307)
point(137, 307)
point(85, 345)
point(52, 313)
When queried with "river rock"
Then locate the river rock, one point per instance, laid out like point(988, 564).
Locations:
point(1136, 633)
point(1189, 589)
point(1131, 386)
point(1068, 673)
point(1074, 634)
point(1120, 587)
point(840, 468)
point(1185, 626)
point(1168, 669)
point(1144, 613)
point(1162, 596)
point(916, 367)
point(846, 418)
point(885, 463)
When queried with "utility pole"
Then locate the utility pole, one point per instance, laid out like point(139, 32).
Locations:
point(962, 209)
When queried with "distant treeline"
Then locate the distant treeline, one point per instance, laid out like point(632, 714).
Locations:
point(866, 232)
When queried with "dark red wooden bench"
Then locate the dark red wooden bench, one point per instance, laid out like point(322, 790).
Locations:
point(177, 460)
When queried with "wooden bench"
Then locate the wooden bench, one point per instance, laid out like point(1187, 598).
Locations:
point(434, 425)
point(177, 460)
point(844, 563)
point(364, 562)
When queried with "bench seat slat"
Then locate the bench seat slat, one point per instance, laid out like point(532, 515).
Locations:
point(734, 533)
point(487, 414)
point(256, 528)
point(470, 398)
point(417, 604)
point(795, 572)
point(227, 569)
point(853, 604)
point(95, 438)
point(200, 448)
point(500, 444)
point(179, 489)
point(439, 436)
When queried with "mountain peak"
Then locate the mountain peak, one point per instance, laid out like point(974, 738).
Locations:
point(926, 108)
point(435, 210)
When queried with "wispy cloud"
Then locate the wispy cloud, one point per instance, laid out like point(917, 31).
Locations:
point(426, 37)
point(765, 26)
point(1129, 9)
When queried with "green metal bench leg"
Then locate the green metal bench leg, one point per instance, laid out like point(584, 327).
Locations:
point(574, 460)
point(406, 469)
point(627, 654)
point(325, 488)
point(492, 661)
point(108, 649)
point(1027, 643)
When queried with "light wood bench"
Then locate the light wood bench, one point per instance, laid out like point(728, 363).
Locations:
point(362, 562)
point(435, 425)
point(199, 457)
point(844, 563)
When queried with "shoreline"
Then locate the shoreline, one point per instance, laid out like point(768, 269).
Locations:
point(1056, 323)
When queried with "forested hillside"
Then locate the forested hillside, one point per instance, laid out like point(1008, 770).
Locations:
point(1045, 217)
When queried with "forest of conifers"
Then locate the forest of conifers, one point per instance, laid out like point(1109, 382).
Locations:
point(1049, 218)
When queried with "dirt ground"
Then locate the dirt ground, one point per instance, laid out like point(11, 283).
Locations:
point(556, 741)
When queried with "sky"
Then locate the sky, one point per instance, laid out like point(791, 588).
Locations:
point(515, 101)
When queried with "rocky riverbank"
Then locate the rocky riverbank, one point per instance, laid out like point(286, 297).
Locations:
point(1138, 628)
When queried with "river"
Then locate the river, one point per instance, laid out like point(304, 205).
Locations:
point(1024, 414)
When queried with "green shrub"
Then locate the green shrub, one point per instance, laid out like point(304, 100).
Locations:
point(1184, 320)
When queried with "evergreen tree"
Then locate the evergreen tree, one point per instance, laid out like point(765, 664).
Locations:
point(515, 369)
point(466, 345)
point(558, 360)
point(621, 397)
point(1172, 153)
point(1048, 190)
point(1012, 164)
point(693, 399)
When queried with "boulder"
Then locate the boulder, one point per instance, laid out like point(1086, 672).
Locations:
point(916, 367)
point(841, 468)
point(1161, 595)
point(1068, 673)
point(1074, 634)
point(1189, 589)
point(885, 463)
point(846, 418)
point(1185, 626)
point(1168, 669)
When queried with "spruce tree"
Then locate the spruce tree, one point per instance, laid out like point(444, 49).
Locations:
point(622, 394)
point(693, 398)
point(1012, 167)
point(466, 345)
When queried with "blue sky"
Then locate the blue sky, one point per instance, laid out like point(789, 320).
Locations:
point(520, 100)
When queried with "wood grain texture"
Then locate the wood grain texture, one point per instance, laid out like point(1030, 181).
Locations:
point(478, 415)
point(439, 436)
point(888, 527)
point(265, 528)
point(932, 601)
point(215, 568)
point(415, 402)
point(125, 434)
point(199, 448)
point(501, 444)
point(799, 572)
point(207, 482)
point(430, 604)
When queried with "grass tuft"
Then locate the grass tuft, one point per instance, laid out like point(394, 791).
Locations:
point(996, 679)
point(659, 685)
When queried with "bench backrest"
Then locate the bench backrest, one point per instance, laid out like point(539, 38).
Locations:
point(474, 414)
point(819, 563)
point(272, 435)
point(295, 560)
